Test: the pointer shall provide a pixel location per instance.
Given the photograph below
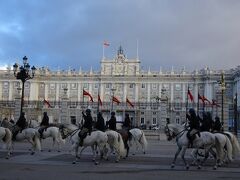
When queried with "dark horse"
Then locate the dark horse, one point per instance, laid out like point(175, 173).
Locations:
point(126, 136)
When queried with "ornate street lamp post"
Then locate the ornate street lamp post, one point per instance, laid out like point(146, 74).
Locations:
point(23, 73)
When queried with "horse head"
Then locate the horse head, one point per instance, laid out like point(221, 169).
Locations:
point(173, 130)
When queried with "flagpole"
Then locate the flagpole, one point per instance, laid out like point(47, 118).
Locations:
point(82, 105)
point(198, 103)
point(187, 103)
point(103, 52)
point(98, 95)
point(137, 50)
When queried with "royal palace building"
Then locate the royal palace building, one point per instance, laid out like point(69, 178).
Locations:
point(150, 98)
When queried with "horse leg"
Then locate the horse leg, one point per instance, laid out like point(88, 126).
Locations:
point(175, 157)
point(194, 156)
point(33, 149)
point(76, 153)
point(94, 155)
point(183, 157)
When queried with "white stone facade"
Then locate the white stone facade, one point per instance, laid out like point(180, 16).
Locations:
point(125, 78)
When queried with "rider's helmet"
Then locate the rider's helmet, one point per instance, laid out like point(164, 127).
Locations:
point(113, 113)
point(88, 111)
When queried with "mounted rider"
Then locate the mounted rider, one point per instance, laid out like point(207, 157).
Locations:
point(100, 124)
point(127, 122)
point(87, 126)
point(44, 124)
point(206, 122)
point(112, 123)
point(194, 126)
point(20, 125)
point(217, 125)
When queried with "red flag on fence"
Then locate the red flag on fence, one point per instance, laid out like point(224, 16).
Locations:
point(129, 102)
point(47, 103)
point(190, 95)
point(214, 103)
point(85, 93)
point(114, 99)
point(99, 100)
point(201, 98)
point(205, 99)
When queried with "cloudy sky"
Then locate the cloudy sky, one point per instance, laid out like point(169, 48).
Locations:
point(170, 33)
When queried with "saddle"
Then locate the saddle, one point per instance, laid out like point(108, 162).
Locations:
point(83, 133)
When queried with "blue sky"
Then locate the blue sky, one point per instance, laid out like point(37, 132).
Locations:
point(176, 33)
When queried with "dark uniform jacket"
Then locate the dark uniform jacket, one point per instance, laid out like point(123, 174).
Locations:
point(22, 122)
point(100, 124)
point(45, 121)
point(193, 122)
point(112, 123)
point(217, 127)
point(87, 122)
point(127, 123)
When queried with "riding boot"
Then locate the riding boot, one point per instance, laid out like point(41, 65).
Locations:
point(41, 133)
point(14, 136)
point(81, 142)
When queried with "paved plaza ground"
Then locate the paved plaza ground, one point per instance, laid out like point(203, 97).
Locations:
point(155, 164)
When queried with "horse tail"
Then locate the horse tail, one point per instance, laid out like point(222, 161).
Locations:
point(37, 142)
point(121, 146)
point(229, 149)
point(143, 141)
point(235, 145)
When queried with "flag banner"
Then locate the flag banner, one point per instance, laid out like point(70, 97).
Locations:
point(99, 100)
point(201, 98)
point(47, 103)
point(106, 43)
point(114, 99)
point(129, 102)
point(214, 103)
point(205, 99)
point(190, 96)
point(85, 93)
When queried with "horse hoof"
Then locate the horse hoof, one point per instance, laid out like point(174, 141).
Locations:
point(93, 160)
point(133, 154)
point(199, 167)
point(96, 163)
point(172, 165)
point(144, 152)
point(187, 167)
point(49, 150)
point(116, 161)
point(74, 162)
point(215, 168)
point(7, 157)
point(58, 151)
point(32, 153)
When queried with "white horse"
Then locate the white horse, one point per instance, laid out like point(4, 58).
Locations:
point(206, 141)
point(97, 138)
point(29, 134)
point(51, 132)
point(235, 143)
point(116, 143)
point(6, 137)
point(138, 138)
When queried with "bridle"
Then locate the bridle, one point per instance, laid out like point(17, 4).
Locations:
point(171, 134)
point(65, 132)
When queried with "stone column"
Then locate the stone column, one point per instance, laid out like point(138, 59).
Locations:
point(64, 108)
point(17, 105)
point(163, 114)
